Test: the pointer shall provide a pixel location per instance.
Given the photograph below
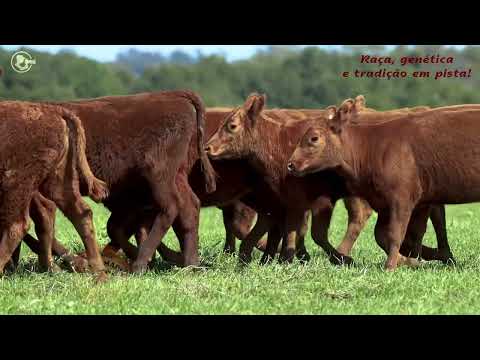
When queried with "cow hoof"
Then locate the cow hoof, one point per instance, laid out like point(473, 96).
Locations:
point(52, 269)
point(447, 259)
point(287, 259)
point(287, 256)
point(303, 256)
point(101, 277)
point(109, 251)
point(412, 262)
point(138, 268)
point(340, 259)
point(9, 268)
point(244, 259)
point(266, 259)
point(79, 264)
point(229, 250)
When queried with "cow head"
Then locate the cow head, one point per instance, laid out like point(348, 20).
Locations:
point(235, 136)
point(321, 146)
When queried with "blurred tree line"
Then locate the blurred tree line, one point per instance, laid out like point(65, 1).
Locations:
point(292, 77)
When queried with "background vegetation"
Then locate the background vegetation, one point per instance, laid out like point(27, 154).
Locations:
point(291, 77)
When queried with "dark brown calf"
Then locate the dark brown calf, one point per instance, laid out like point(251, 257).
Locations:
point(43, 151)
point(145, 145)
point(400, 166)
point(233, 182)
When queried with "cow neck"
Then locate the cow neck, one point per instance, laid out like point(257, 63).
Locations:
point(355, 154)
point(266, 151)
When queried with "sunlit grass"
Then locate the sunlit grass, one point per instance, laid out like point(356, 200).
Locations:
point(224, 288)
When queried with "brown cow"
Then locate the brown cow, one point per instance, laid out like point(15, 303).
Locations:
point(126, 220)
point(135, 215)
point(400, 167)
point(43, 154)
point(267, 142)
point(244, 135)
point(231, 171)
point(145, 145)
point(238, 217)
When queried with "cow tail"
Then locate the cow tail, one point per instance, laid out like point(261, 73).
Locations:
point(207, 168)
point(97, 189)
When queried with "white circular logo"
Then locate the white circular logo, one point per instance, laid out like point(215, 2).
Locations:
point(22, 61)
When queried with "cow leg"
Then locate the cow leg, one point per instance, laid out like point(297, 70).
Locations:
point(42, 212)
point(119, 231)
point(358, 214)
point(187, 225)
point(294, 222)
point(228, 220)
point(263, 243)
point(302, 253)
point(75, 262)
point(321, 218)
point(141, 234)
point(273, 241)
point(390, 231)
point(15, 259)
point(167, 199)
point(11, 238)
point(246, 247)
point(120, 227)
point(80, 215)
point(437, 217)
point(15, 215)
point(16, 256)
point(169, 255)
point(238, 219)
point(416, 229)
point(442, 253)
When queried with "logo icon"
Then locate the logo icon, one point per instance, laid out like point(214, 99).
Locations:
point(22, 62)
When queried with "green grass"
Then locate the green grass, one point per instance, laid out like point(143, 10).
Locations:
point(315, 288)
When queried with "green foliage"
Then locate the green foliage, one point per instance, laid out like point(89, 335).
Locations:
point(290, 76)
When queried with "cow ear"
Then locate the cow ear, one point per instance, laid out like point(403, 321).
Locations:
point(254, 106)
point(342, 116)
point(360, 103)
point(332, 118)
point(331, 112)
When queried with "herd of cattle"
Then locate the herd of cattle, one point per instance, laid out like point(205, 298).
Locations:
point(154, 159)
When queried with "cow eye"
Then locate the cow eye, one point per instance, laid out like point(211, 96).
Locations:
point(314, 139)
point(232, 126)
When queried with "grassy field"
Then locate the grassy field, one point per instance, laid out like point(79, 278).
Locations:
point(315, 288)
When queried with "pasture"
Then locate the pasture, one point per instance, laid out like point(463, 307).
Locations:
point(223, 288)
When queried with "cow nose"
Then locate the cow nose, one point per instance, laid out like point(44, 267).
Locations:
point(290, 167)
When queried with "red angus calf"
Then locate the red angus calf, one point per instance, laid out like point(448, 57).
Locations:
point(43, 151)
point(401, 166)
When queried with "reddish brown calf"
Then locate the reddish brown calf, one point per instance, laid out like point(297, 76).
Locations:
point(400, 166)
point(43, 151)
point(266, 140)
